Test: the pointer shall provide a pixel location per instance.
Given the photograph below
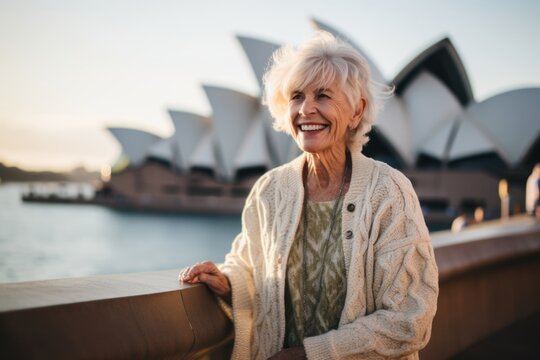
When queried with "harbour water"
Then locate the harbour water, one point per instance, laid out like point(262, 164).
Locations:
point(48, 241)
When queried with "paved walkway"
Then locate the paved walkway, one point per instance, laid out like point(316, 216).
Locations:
point(518, 341)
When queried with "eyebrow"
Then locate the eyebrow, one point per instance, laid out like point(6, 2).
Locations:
point(318, 91)
point(324, 90)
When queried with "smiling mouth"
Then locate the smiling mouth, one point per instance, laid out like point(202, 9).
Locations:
point(312, 127)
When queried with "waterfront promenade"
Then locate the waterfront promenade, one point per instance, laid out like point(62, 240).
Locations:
point(488, 283)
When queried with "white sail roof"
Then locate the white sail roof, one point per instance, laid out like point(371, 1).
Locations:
point(190, 129)
point(469, 140)
point(429, 106)
point(203, 155)
point(395, 125)
point(162, 150)
point(253, 150)
point(510, 120)
point(233, 113)
point(259, 54)
point(433, 112)
point(437, 143)
point(279, 143)
point(376, 74)
point(135, 143)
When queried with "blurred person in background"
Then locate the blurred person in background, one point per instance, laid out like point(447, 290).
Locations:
point(533, 192)
point(469, 215)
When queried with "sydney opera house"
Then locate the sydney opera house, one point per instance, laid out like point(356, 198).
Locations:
point(453, 148)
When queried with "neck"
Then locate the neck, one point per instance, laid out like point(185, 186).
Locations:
point(325, 174)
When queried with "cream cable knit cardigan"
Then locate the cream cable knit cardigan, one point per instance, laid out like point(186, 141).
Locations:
point(392, 278)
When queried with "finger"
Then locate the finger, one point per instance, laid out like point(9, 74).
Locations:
point(184, 271)
point(181, 274)
point(205, 267)
point(190, 275)
point(184, 274)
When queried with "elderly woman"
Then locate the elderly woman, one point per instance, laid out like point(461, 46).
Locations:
point(334, 259)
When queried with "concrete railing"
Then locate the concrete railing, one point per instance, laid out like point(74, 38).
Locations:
point(489, 278)
point(135, 316)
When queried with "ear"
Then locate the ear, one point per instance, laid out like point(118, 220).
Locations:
point(358, 113)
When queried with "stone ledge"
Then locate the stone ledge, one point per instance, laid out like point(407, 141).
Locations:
point(151, 315)
point(147, 315)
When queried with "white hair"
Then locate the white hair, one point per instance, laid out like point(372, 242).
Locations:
point(322, 61)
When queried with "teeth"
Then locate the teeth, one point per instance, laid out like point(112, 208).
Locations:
point(311, 127)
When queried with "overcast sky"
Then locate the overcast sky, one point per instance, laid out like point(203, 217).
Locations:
point(70, 68)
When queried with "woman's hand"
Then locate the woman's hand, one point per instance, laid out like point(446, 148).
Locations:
point(207, 272)
point(290, 353)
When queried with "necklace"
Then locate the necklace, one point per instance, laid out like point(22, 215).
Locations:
point(325, 245)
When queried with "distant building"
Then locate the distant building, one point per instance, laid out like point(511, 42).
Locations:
point(453, 148)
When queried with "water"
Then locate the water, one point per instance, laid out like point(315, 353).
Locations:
point(47, 241)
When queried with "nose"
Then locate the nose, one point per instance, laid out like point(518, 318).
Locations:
point(308, 107)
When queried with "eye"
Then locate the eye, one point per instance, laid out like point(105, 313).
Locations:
point(323, 96)
point(296, 96)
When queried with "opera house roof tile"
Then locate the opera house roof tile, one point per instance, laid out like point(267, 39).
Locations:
point(442, 60)
point(190, 129)
point(258, 53)
point(430, 105)
point(204, 154)
point(233, 116)
point(510, 120)
point(162, 150)
point(135, 143)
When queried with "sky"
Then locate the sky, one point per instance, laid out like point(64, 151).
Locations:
point(71, 68)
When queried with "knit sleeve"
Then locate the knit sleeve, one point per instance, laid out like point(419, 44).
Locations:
point(402, 293)
point(238, 267)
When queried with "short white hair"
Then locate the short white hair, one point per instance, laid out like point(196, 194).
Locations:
point(322, 61)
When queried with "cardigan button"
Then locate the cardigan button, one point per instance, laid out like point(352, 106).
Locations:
point(351, 207)
point(279, 260)
point(348, 234)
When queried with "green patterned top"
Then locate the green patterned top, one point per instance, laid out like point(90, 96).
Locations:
point(324, 298)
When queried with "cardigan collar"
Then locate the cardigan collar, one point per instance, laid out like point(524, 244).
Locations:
point(362, 169)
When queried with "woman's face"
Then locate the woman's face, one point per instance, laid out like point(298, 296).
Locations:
point(319, 118)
